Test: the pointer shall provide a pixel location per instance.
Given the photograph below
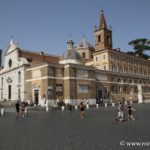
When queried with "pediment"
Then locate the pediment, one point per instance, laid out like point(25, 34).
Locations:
point(10, 49)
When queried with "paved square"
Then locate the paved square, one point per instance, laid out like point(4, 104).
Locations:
point(67, 131)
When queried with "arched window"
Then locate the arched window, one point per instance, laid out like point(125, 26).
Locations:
point(140, 82)
point(19, 77)
point(2, 82)
point(19, 94)
point(99, 38)
point(119, 80)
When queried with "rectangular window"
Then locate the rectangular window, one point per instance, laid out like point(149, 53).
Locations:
point(104, 67)
point(99, 38)
point(96, 59)
point(105, 89)
point(104, 56)
point(59, 87)
point(83, 88)
point(111, 57)
point(83, 54)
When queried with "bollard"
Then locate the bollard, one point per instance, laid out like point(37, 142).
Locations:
point(47, 108)
point(97, 106)
point(76, 107)
point(125, 102)
point(113, 104)
point(63, 108)
point(87, 106)
point(2, 112)
point(105, 104)
point(26, 110)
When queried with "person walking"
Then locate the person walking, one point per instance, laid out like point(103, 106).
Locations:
point(82, 109)
point(23, 105)
point(17, 108)
point(122, 112)
point(130, 112)
point(119, 112)
point(69, 107)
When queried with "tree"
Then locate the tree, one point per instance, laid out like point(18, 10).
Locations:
point(140, 46)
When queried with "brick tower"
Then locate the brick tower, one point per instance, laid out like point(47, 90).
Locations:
point(103, 35)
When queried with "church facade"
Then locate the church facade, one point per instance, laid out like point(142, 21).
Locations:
point(82, 72)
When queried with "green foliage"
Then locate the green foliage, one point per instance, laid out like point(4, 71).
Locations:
point(140, 46)
point(138, 42)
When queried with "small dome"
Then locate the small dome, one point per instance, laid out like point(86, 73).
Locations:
point(84, 44)
point(71, 55)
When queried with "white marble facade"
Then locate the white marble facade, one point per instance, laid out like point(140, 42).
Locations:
point(12, 75)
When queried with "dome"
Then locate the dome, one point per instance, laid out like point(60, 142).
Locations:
point(84, 44)
point(71, 55)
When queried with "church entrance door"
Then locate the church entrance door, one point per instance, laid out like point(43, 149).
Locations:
point(36, 96)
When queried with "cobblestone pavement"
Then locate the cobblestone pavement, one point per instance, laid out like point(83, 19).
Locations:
point(67, 131)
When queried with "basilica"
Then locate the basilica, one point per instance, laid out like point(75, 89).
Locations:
point(84, 71)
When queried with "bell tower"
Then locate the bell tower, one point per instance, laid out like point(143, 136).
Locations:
point(103, 35)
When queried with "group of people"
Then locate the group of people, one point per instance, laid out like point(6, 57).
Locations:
point(121, 112)
point(20, 108)
point(60, 102)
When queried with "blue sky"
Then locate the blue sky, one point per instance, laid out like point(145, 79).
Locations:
point(45, 25)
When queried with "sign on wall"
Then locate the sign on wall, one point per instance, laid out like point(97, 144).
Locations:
point(36, 74)
point(101, 77)
point(82, 73)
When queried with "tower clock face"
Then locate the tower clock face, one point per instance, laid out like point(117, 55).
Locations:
point(10, 63)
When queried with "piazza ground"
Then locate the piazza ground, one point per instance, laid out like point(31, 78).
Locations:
point(40, 130)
